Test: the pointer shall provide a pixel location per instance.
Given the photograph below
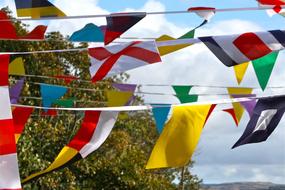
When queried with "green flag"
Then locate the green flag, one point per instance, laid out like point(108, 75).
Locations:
point(68, 103)
point(263, 68)
point(182, 93)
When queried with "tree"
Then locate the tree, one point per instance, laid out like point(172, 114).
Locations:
point(118, 164)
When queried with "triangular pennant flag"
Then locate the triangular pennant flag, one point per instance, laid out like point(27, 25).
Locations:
point(90, 33)
point(49, 112)
point(238, 108)
point(232, 113)
point(51, 93)
point(116, 98)
point(179, 138)
point(95, 129)
point(164, 50)
point(213, 106)
point(240, 71)
point(67, 103)
point(67, 79)
point(16, 67)
point(160, 113)
point(248, 105)
point(182, 93)
point(15, 91)
point(37, 9)
point(119, 23)
point(263, 68)
point(20, 118)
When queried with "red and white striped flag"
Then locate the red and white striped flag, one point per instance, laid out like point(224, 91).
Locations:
point(9, 171)
point(112, 60)
point(236, 49)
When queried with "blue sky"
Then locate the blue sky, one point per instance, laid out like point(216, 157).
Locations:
point(215, 161)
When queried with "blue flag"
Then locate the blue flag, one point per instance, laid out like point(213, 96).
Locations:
point(160, 115)
point(90, 33)
point(266, 116)
point(51, 93)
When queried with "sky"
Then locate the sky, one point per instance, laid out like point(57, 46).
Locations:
point(215, 162)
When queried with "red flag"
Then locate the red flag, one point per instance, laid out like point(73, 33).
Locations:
point(20, 118)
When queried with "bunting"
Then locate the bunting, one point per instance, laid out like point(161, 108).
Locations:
point(95, 129)
point(160, 115)
point(238, 108)
point(182, 93)
point(112, 60)
point(20, 118)
point(9, 172)
point(37, 9)
point(119, 23)
point(8, 30)
point(266, 116)
point(90, 33)
point(277, 6)
point(116, 98)
point(263, 68)
point(164, 50)
point(15, 91)
point(179, 138)
point(240, 71)
point(233, 50)
point(16, 67)
point(51, 93)
point(204, 12)
point(232, 113)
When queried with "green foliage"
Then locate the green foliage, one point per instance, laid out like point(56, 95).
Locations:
point(118, 164)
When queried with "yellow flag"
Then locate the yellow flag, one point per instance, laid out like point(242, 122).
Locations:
point(164, 50)
point(66, 154)
point(240, 71)
point(238, 108)
point(117, 98)
point(16, 67)
point(179, 138)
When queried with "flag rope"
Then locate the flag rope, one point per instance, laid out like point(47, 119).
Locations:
point(149, 107)
point(136, 13)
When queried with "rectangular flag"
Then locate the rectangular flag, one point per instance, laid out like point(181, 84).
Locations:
point(233, 50)
point(37, 9)
point(95, 129)
point(265, 118)
point(9, 172)
point(179, 138)
point(112, 60)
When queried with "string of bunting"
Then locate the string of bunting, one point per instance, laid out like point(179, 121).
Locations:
point(176, 123)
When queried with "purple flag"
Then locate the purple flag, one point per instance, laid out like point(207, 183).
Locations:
point(15, 91)
point(248, 105)
point(126, 88)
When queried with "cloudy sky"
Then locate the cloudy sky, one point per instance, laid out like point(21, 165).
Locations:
point(215, 161)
